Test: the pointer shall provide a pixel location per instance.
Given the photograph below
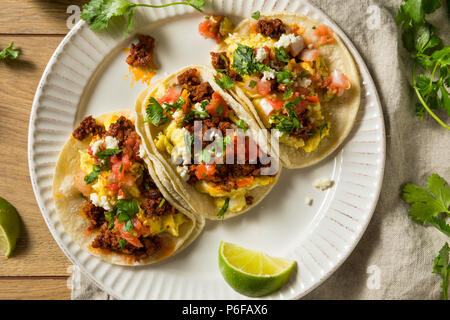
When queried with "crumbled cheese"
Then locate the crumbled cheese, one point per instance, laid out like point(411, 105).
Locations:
point(111, 143)
point(305, 82)
point(101, 202)
point(308, 201)
point(269, 75)
point(323, 184)
point(183, 171)
point(95, 147)
point(141, 151)
point(277, 134)
point(261, 54)
point(286, 40)
point(178, 115)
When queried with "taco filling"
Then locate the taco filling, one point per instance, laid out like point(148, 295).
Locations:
point(280, 69)
point(124, 206)
point(222, 168)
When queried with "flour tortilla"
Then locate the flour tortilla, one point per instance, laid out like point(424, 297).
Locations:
point(202, 204)
point(69, 202)
point(341, 111)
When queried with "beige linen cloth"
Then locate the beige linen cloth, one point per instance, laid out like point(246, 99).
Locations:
point(394, 258)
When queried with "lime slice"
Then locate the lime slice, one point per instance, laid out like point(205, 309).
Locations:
point(253, 273)
point(9, 227)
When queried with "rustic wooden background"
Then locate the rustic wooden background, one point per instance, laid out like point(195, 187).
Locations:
point(38, 269)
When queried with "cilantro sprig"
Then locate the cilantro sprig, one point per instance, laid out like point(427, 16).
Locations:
point(9, 53)
point(442, 267)
point(430, 70)
point(429, 207)
point(224, 209)
point(244, 61)
point(432, 207)
point(98, 13)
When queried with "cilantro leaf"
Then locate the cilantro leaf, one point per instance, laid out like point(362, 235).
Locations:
point(225, 83)
point(441, 266)
point(242, 125)
point(427, 206)
point(155, 113)
point(108, 152)
point(256, 15)
point(9, 53)
point(98, 13)
point(122, 243)
point(244, 61)
point(281, 55)
point(91, 177)
point(224, 209)
point(128, 207)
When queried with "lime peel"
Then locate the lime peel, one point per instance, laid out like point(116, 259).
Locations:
point(253, 273)
point(9, 228)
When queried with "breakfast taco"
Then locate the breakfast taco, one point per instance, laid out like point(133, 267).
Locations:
point(110, 200)
point(207, 148)
point(296, 77)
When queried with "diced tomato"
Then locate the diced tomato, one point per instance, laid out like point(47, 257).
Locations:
point(268, 105)
point(276, 104)
point(209, 29)
point(218, 106)
point(251, 85)
point(185, 96)
point(119, 166)
point(121, 194)
point(114, 186)
point(81, 185)
point(313, 99)
point(339, 80)
point(324, 34)
point(132, 236)
point(241, 183)
point(264, 87)
point(205, 171)
point(172, 95)
point(310, 55)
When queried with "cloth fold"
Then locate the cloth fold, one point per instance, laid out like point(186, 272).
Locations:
point(394, 258)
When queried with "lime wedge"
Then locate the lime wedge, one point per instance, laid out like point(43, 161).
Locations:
point(9, 228)
point(253, 273)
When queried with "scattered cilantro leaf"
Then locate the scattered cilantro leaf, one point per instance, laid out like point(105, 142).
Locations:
point(427, 207)
point(442, 267)
point(419, 37)
point(122, 243)
point(281, 55)
point(244, 61)
point(107, 153)
point(9, 53)
point(256, 15)
point(93, 176)
point(155, 113)
point(224, 209)
point(225, 83)
point(242, 125)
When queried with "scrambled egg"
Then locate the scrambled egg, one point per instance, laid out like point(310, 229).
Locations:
point(237, 196)
point(170, 223)
point(255, 40)
point(172, 141)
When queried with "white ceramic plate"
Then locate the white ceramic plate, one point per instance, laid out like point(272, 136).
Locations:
point(87, 75)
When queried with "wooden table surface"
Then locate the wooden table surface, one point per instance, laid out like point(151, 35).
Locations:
point(38, 268)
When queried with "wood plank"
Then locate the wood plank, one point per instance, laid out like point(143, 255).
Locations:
point(37, 254)
point(36, 16)
point(34, 289)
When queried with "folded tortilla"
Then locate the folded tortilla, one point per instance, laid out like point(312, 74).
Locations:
point(69, 202)
point(201, 203)
point(341, 112)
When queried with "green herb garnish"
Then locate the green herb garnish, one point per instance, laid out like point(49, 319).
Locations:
point(281, 55)
point(442, 266)
point(93, 176)
point(430, 83)
point(225, 83)
point(98, 13)
point(244, 61)
point(252, 84)
point(224, 209)
point(155, 113)
point(256, 15)
point(429, 207)
point(122, 243)
point(285, 77)
point(9, 53)
point(162, 203)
